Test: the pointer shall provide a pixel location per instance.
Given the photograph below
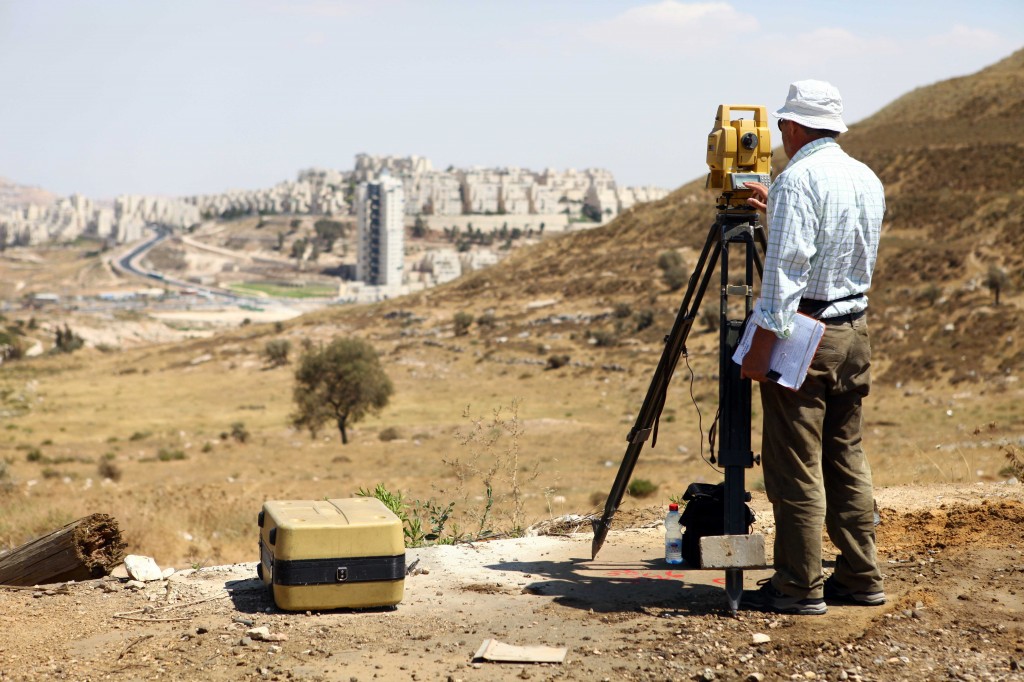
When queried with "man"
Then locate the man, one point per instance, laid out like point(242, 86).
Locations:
point(824, 217)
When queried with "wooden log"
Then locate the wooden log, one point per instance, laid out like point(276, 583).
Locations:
point(87, 548)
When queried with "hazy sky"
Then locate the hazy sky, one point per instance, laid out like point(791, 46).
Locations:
point(108, 97)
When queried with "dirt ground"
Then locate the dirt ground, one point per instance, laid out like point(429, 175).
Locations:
point(953, 558)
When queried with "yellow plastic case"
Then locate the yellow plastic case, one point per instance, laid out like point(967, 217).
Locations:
point(331, 554)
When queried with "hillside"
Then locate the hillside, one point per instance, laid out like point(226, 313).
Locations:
point(13, 195)
point(952, 169)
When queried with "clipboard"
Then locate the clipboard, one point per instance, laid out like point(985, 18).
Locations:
point(791, 357)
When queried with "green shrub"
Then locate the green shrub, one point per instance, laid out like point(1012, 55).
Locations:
point(166, 455)
point(11, 346)
point(67, 341)
point(641, 487)
point(423, 522)
point(603, 339)
point(643, 319)
point(107, 469)
point(239, 432)
point(462, 320)
point(670, 259)
point(276, 351)
point(711, 316)
point(557, 361)
point(931, 293)
point(675, 277)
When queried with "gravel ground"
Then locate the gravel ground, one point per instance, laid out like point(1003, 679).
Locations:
point(953, 559)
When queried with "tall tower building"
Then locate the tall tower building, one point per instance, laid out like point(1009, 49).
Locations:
point(379, 210)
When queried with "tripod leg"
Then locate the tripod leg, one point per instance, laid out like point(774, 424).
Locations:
point(654, 401)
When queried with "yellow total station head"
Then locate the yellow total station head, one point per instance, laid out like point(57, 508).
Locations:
point(739, 151)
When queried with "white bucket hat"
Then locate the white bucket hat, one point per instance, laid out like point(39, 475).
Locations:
point(815, 104)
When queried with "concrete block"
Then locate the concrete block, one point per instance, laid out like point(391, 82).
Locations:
point(732, 551)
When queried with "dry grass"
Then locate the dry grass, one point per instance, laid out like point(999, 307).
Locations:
point(571, 426)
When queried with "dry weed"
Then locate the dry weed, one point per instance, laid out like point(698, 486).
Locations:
point(1015, 461)
point(493, 459)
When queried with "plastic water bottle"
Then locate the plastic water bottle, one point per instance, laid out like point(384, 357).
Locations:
point(673, 536)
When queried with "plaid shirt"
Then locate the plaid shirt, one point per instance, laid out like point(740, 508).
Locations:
point(824, 220)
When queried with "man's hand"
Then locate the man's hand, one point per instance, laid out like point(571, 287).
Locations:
point(760, 198)
point(756, 362)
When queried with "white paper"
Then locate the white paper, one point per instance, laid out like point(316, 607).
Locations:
point(790, 356)
point(493, 650)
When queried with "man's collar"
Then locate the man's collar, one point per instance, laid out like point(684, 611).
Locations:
point(811, 147)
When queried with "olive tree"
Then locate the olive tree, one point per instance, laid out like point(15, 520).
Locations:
point(342, 381)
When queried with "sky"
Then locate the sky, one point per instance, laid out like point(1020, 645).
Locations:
point(110, 97)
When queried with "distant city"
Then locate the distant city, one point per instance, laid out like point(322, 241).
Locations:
point(482, 198)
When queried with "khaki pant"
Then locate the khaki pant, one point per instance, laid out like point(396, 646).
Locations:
point(815, 471)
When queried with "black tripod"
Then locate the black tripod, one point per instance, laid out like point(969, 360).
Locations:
point(733, 227)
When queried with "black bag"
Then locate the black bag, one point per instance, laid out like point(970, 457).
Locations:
point(704, 515)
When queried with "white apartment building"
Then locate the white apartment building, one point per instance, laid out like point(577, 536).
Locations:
point(481, 191)
point(445, 194)
point(381, 235)
point(443, 265)
point(432, 193)
point(369, 167)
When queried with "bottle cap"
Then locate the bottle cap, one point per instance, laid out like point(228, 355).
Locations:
point(673, 507)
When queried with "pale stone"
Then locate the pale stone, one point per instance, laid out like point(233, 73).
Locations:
point(142, 568)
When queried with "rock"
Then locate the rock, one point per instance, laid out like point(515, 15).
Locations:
point(754, 677)
point(263, 634)
point(759, 638)
point(119, 571)
point(167, 573)
point(245, 641)
point(135, 585)
point(142, 568)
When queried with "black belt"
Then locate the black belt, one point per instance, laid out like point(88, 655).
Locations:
point(814, 307)
point(843, 319)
